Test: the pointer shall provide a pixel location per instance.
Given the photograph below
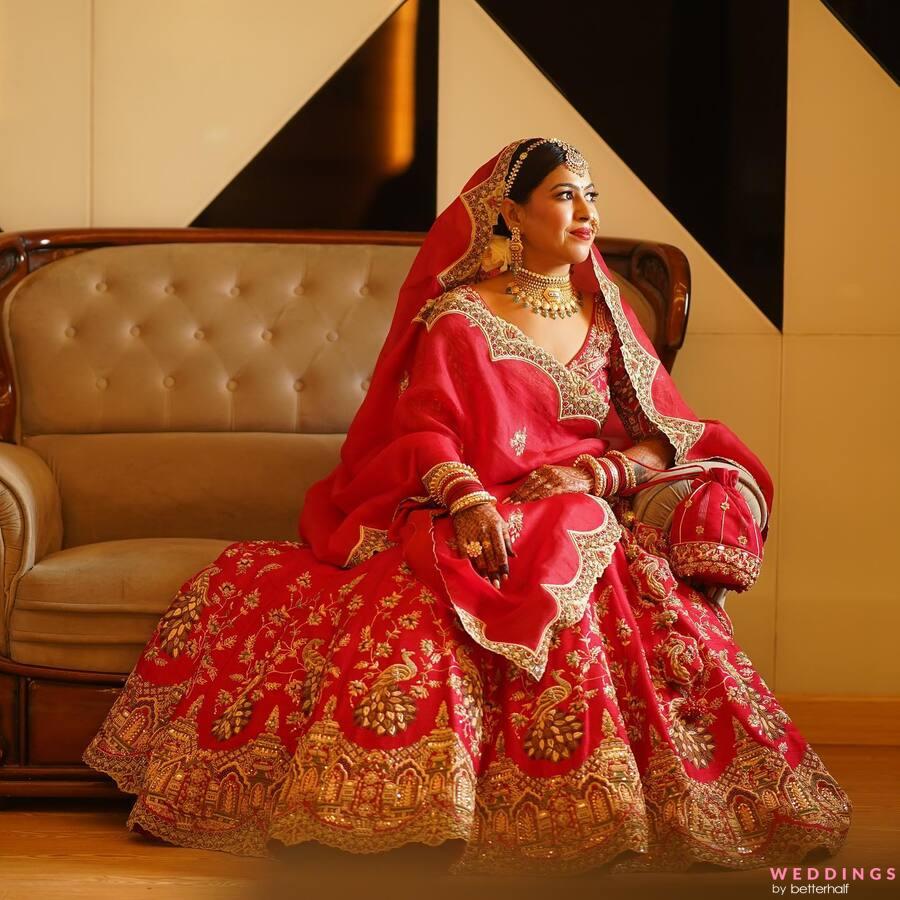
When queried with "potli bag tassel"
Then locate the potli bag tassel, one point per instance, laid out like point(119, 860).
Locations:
point(714, 537)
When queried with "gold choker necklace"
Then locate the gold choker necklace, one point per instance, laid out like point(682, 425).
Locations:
point(546, 295)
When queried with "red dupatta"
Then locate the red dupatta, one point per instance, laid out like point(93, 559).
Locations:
point(455, 382)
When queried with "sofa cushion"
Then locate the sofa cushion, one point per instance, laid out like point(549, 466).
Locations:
point(227, 485)
point(94, 607)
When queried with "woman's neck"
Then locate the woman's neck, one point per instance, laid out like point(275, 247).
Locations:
point(544, 266)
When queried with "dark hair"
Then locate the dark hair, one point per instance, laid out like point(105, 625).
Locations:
point(539, 163)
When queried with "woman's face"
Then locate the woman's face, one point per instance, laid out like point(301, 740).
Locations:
point(556, 221)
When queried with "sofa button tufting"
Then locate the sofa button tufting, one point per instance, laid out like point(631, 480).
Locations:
point(101, 286)
point(365, 383)
point(364, 290)
point(266, 335)
point(299, 289)
point(198, 334)
point(332, 335)
point(70, 331)
point(231, 384)
point(299, 385)
point(135, 330)
point(102, 383)
point(170, 288)
point(235, 291)
point(168, 381)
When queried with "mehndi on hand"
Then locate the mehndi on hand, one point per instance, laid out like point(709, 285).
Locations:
point(547, 480)
point(482, 534)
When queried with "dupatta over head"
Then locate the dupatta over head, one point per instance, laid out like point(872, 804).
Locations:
point(454, 382)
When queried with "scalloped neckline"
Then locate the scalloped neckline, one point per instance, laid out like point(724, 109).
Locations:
point(530, 340)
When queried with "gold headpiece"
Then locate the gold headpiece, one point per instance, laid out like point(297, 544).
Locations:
point(575, 162)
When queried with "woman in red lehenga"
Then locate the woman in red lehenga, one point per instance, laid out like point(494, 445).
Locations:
point(465, 642)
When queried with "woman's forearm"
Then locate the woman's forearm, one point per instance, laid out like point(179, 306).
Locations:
point(655, 452)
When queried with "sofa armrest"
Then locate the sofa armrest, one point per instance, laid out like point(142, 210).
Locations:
point(30, 522)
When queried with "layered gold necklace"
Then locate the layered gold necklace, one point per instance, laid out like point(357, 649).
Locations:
point(546, 295)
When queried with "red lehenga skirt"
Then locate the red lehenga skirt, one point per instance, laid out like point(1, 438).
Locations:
point(284, 699)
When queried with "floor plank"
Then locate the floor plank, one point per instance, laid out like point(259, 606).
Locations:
point(73, 849)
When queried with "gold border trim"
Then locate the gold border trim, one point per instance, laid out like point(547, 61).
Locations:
point(577, 396)
point(371, 541)
point(482, 203)
point(595, 550)
point(642, 367)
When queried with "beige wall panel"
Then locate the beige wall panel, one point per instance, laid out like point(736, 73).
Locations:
point(45, 113)
point(736, 378)
point(188, 93)
point(843, 181)
point(490, 94)
point(838, 592)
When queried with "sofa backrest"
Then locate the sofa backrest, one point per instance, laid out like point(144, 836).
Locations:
point(196, 388)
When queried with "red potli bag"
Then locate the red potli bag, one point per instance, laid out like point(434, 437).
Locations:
point(713, 536)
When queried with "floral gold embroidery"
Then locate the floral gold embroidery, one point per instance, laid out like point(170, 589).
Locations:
point(517, 441)
point(515, 522)
point(371, 541)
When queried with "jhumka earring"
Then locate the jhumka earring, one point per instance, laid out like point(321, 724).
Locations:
point(515, 248)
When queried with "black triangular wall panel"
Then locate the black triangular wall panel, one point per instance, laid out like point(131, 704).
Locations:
point(693, 97)
point(876, 25)
point(324, 170)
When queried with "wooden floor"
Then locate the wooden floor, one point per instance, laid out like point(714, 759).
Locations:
point(68, 850)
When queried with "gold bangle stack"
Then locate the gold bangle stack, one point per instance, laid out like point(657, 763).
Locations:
point(471, 499)
point(606, 474)
point(591, 466)
point(628, 464)
point(439, 478)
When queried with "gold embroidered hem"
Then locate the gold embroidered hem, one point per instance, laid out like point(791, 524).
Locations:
point(359, 713)
point(758, 812)
point(595, 550)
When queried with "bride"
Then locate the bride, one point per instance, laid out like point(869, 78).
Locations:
point(464, 644)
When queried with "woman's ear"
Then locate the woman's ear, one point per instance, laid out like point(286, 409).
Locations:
point(510, 213)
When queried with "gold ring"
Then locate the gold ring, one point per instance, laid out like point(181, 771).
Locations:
point(473, 548)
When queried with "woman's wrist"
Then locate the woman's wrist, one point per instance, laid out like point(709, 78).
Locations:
point(610, 473)
point(456, 486)
point(474, 498)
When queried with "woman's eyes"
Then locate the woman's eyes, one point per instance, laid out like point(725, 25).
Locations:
point(567, 195)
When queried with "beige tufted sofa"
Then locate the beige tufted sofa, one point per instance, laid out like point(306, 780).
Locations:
point(165, 393)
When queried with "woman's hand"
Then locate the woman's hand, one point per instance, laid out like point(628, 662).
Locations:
point(549, 480)
point(483, 525)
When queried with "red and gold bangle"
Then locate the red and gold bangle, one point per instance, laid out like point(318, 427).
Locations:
point(455, 485)
point(438, 477)
point(614, 472)
point(627, 467)
point(590, 465)
point(460, 489)
point(471, 499)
